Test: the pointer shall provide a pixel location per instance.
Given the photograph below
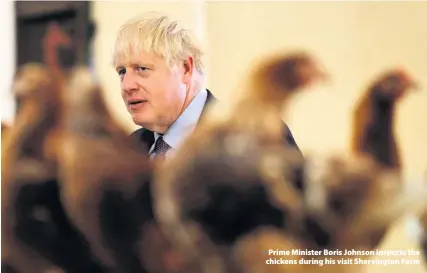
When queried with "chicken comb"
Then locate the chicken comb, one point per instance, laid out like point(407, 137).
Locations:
point(404, 74)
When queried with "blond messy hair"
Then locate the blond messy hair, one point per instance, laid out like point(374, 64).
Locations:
point(155, 32)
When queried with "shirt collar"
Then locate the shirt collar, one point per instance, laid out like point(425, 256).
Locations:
point(185, 123)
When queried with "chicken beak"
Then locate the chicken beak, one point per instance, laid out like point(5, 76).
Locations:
point(410, 82)
point(414, 86)
point(322, 74)
point(325, 77)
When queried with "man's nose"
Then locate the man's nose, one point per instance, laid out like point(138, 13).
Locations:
point(129, 83)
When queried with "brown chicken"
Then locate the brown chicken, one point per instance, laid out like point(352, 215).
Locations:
point(358, 198)
point(374, 131)
point(374, 118)
point(227, 180)
point(4, 127)
point(21, 150)
point(106, 184)
point(36, 234)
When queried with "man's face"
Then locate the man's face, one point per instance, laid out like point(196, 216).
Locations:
point(153, 92)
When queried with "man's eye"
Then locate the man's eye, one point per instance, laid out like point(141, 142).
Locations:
point(141, 68)
point(121, 72)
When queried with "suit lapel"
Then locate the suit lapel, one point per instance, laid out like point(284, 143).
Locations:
point(209, 99)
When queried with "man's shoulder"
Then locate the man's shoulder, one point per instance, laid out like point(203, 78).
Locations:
point(142, 133)
point(289, 138)
point(143, 137)
point(138, 132)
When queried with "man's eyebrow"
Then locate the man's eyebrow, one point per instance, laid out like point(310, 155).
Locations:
point(136, 64)
point(145, 64)
point(120, 67)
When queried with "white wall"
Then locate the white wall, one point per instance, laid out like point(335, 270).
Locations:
point(7, 53)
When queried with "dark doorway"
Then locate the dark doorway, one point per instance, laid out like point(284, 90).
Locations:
point(57, 33)
point(53, 32)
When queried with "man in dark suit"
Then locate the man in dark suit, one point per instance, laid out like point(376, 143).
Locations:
point(162, 82)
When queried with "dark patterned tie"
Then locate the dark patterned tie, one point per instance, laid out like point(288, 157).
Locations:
point(161, 148)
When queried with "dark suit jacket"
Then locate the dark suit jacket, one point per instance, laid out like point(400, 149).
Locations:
point(145, 138)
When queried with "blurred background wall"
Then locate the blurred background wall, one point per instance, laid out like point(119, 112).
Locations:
point(7, 53)
point(354, 40)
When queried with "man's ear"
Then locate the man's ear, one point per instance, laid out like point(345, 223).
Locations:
point(187, 69)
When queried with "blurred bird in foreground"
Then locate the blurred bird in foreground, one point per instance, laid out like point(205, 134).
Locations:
point(229, 179)
point(36, 233)
point(106, 183)
point(24, 163)
point(4, 128)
